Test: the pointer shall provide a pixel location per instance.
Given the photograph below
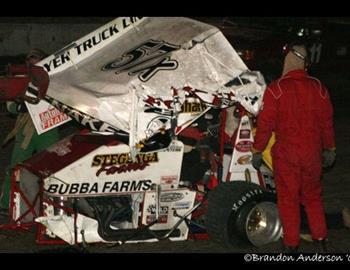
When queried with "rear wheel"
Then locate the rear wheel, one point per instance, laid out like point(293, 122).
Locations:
point(241, 213)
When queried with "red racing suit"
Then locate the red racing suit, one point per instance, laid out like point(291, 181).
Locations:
point(298, 109)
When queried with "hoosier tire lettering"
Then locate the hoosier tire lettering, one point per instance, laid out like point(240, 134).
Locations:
point(229, 208)
point(245, 197)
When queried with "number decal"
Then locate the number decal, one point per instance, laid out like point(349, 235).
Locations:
point(145, 60)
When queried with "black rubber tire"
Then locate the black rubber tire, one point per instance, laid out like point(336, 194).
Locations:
point(228, 206)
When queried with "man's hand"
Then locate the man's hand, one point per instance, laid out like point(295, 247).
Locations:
point(328, 158)
point(257, 160)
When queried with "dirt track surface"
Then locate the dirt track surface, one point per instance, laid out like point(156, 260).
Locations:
point(24, 242)
point(336, 196)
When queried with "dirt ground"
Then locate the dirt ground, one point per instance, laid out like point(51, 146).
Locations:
point(336, 195)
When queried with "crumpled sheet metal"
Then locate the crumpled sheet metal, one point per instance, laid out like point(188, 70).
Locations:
point(205, 59)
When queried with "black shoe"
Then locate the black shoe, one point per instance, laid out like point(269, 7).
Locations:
point(290, 250)
point(320, 246)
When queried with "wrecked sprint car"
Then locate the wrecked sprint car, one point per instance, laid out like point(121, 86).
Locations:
point(169, 109)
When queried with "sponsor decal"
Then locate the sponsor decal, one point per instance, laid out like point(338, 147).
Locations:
point(161, 219)
point(244, 134)
point(97, 188)
point(145, 60)
point(168, 180)
point(63, 56)
point(123, 158)
point(193, 107)
point(121, 163)
point(151, 209)
point(122, 168)
point(163, 214)
point(182, 205)
point(243, 160)
point(51, 118)
point(171, 197)
point(243, 146)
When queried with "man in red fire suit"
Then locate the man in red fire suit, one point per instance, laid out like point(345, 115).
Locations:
point(297, 108)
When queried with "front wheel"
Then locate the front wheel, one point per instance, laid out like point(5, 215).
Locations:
point(241, 213)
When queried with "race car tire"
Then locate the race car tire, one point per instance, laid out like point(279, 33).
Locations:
point(235, 208)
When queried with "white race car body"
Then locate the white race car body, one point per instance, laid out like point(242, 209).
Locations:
point(137, 78)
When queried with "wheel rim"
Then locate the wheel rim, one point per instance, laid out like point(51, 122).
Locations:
point(263, 224)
